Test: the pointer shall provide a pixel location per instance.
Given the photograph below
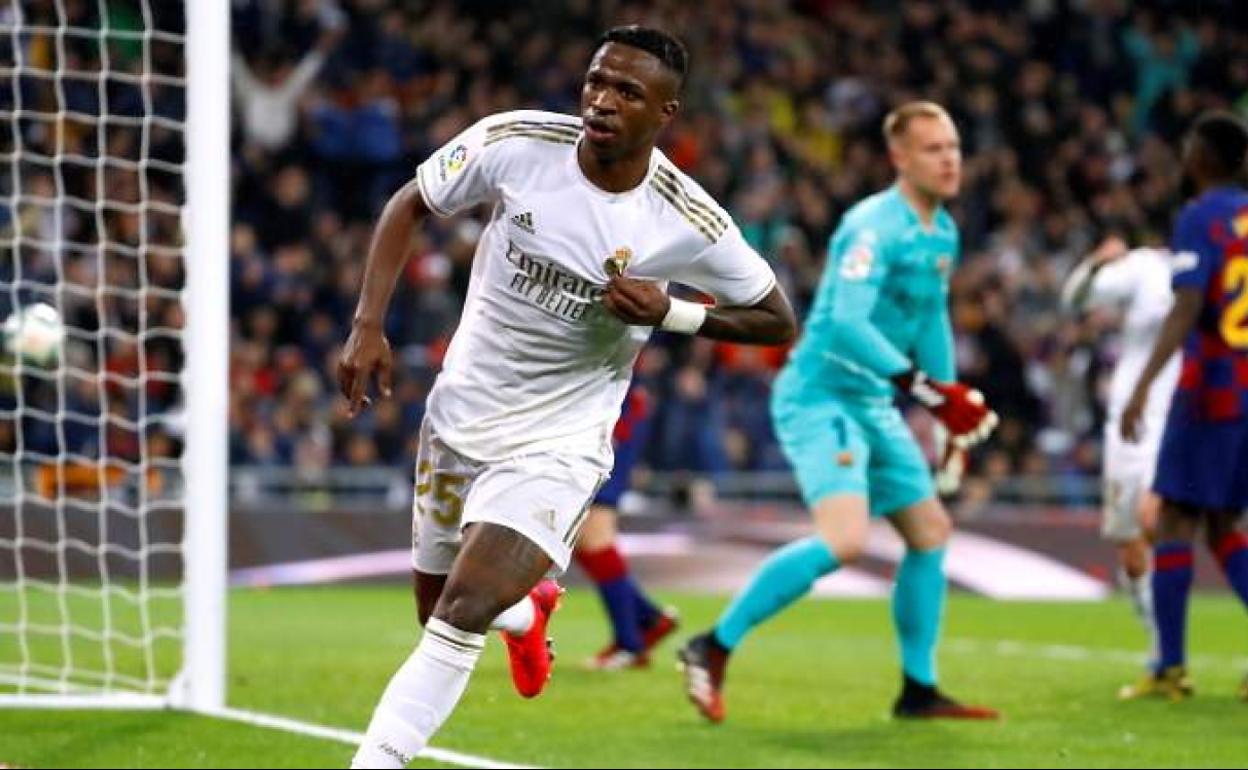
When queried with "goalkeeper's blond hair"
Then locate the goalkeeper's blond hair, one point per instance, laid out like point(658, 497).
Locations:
point(897, 121)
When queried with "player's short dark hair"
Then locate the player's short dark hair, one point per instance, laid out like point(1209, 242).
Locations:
point(1227, 138)
point(656, 42)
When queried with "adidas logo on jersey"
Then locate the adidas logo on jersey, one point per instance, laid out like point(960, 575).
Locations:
point(546, 518)
point(524, 222)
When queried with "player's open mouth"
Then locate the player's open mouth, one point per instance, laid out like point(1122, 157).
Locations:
point(597, 130)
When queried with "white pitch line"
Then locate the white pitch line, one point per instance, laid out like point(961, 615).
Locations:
point(1074, 652)
point(353, 738)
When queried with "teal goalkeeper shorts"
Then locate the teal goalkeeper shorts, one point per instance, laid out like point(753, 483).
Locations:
point(851, 446)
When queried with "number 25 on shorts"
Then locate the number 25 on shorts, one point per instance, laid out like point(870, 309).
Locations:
point(445, 488)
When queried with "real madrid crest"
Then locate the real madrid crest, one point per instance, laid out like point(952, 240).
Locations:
point(617, 262)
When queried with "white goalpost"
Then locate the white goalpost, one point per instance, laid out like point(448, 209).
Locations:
point(114, 210)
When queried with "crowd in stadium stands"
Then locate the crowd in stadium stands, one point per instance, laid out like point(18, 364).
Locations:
point(1070, 114)
point(90, 223)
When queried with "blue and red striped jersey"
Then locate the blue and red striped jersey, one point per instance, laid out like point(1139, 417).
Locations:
point(1210, 246)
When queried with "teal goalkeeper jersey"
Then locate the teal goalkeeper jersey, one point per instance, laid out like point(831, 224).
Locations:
point(882, 304)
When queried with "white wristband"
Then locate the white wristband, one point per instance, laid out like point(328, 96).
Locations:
point(684, 317)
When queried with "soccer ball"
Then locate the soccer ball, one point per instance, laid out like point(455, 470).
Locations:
point(35, 333)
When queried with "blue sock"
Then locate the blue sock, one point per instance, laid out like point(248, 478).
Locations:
point(918, 608)
point(647, 611)
point(1232, 554)
point(619, 597)
point(782, 579)
point(1172, 583)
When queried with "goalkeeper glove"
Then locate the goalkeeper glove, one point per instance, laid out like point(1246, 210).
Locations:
point(959, 408)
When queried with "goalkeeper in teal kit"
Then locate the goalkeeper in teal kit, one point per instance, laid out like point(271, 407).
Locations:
point(879, 325)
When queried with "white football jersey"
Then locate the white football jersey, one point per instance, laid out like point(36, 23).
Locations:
point(1139, 284)
point(537, 364)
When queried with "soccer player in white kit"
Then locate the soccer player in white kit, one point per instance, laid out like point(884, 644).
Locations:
point(589, 222)
point(1136, 283)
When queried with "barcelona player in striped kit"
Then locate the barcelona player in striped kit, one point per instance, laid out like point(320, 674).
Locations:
point(638, 625)
point(1202, 471)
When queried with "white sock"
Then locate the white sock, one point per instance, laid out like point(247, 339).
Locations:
point(420, 696)
point(516, 619)
point(1141, 591)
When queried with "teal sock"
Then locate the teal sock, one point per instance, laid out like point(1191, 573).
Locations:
point(918, 608)
point(781, 580)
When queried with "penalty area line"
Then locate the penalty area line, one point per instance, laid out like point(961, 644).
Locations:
point(353, 738)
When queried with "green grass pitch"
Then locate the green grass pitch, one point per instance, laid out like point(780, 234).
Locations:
point(810, 689)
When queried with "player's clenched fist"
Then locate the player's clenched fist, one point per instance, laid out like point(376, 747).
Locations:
point(635, 301)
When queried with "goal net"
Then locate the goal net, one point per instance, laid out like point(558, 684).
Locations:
point(110, 486)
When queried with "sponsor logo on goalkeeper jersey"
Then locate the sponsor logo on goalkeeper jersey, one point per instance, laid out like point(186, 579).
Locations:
point(551, 287)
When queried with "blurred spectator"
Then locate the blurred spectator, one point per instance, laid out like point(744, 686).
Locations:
point(1162, 57)
point(1069, 114)
point(269, 89)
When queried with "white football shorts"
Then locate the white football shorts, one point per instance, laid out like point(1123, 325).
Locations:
point(1127, 474)
point(544, 496)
